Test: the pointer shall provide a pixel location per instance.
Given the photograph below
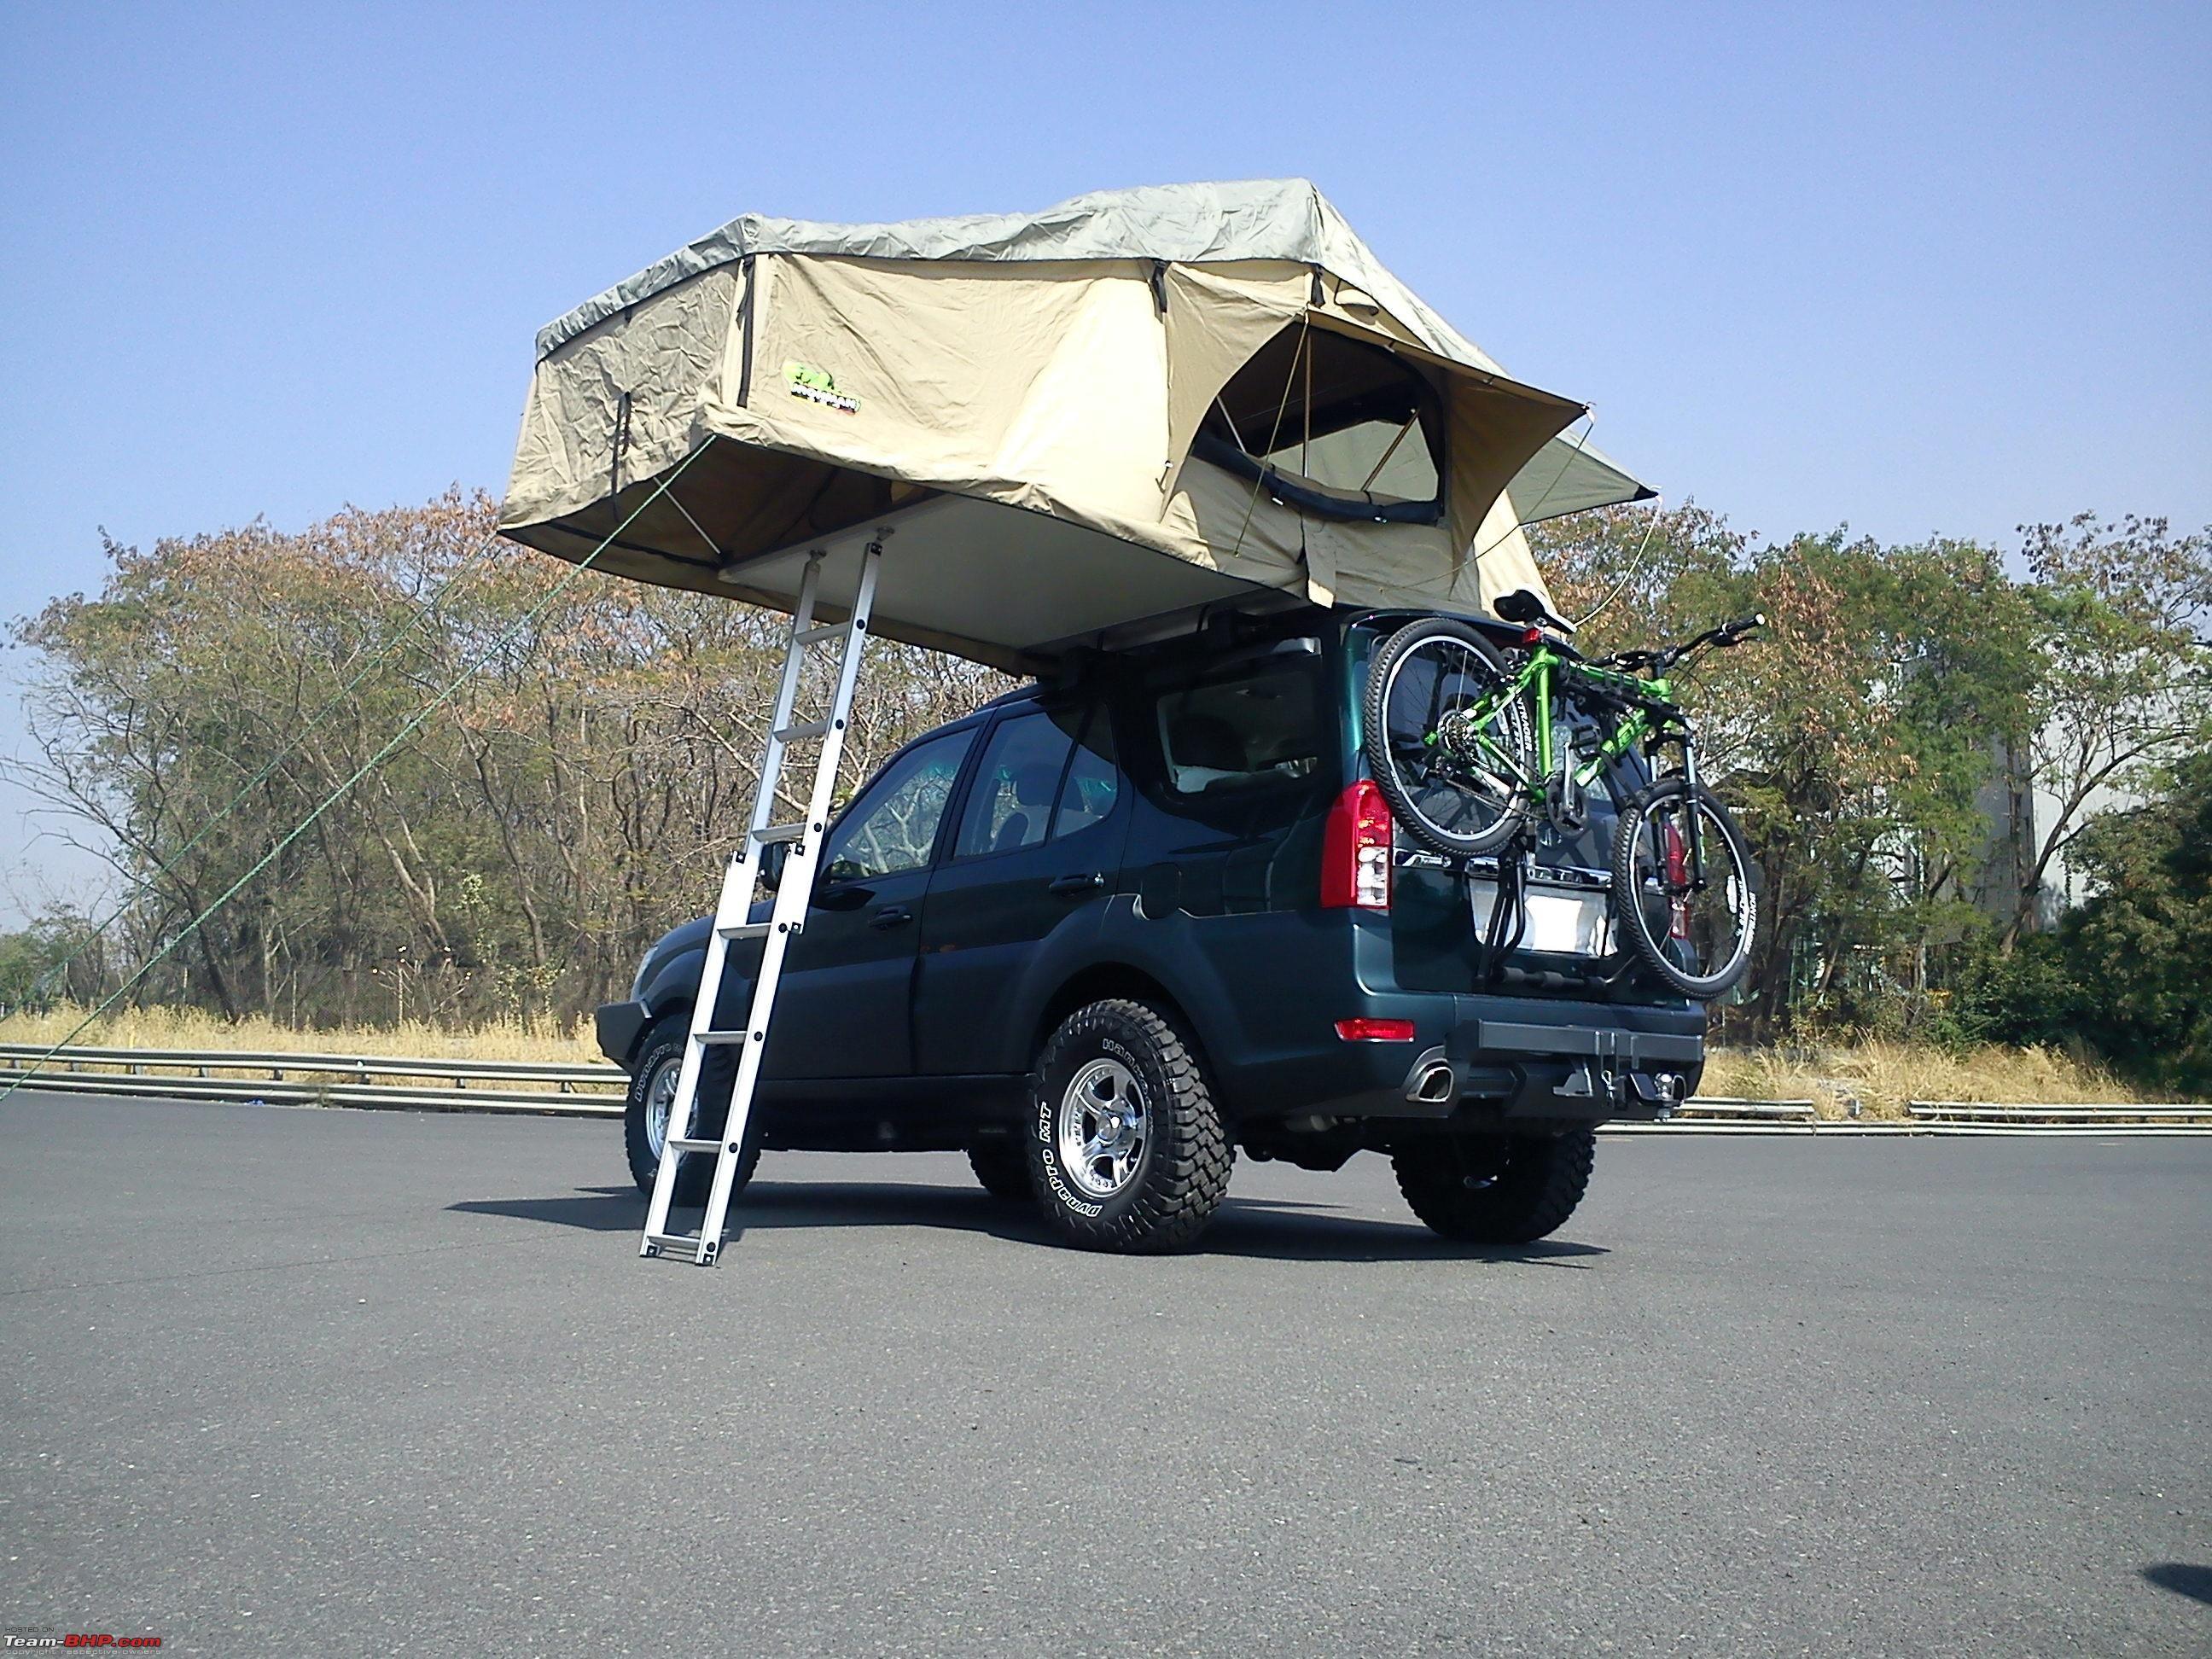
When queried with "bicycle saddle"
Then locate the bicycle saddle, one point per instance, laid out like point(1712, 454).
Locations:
point(1524, 607)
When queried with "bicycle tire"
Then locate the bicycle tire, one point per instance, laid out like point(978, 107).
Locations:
point(1445, 815)
point(1636, 911)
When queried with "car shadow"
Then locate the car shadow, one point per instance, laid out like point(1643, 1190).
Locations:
point(1266, 1229)
point(1299, 1232)
point(2182, 1579)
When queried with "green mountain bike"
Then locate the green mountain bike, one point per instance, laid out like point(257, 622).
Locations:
point(1473, 747)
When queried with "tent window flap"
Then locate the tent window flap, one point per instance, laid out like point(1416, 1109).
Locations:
point(1334, 426)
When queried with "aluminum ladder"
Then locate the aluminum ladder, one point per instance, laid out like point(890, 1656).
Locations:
point(787, 917)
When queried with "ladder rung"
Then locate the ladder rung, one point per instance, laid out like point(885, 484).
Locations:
point(713, 1037)
point(826, 631)
point(745, 930)
point(800, 733)
point(685, 1244)
point(683, 1145)
point(776, 832)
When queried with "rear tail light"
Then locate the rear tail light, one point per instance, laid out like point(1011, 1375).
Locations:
point(1355, 851)
point(1376, 1031)
point(1678, 879)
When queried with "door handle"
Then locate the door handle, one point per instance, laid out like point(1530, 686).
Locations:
point(1085, 883)
point(891, 915)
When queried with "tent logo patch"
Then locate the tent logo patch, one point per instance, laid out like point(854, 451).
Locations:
point(818, 386)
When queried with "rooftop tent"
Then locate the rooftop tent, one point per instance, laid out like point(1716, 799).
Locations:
point(1079, 422)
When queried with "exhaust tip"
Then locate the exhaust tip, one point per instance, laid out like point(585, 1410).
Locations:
point(1433, 1085)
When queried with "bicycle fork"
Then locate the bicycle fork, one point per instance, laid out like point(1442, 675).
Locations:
point(1684, 851)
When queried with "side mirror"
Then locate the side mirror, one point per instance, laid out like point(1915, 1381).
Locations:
point(774, 857)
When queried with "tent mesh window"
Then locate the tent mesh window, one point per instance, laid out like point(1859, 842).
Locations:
point(1337, 426)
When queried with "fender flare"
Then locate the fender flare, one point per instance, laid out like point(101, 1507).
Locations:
point(676, 984)
point(1130, 944)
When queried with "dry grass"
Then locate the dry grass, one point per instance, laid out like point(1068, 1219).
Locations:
point(1882, 1075)
point(541, 1044)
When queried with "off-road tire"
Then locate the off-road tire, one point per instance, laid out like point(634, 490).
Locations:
point(1496, 1189)
point(1182, 1174)
point(1003, 1168)
point(664, 1046)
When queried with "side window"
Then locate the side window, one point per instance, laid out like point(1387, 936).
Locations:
point(893, 825)
point(1010, 804)
point(1093, 780)
point(1254, 726)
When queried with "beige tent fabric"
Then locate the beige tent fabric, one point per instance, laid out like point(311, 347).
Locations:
point(670, 357)
point(1215, 321)
point(1037, 386)
point(836, 390)
point(1286, 221)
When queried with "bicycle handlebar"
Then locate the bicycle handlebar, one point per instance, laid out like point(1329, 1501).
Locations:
point(1658, 662)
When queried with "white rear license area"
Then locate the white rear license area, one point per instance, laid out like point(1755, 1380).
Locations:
point(1564, 924)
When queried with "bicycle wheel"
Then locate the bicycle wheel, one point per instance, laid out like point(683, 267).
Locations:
point(1690, 919)
point(1446, 743)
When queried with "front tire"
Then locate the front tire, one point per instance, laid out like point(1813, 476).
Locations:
point(1127, 1149)
point(1496, 1189)
point(1003, 1168)
point(651, 1096)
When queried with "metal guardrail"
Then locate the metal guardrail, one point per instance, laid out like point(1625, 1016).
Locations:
point(1977, 1117)
point(594, 1090)
point(277, 1062)
point(317, 1079)
point(1726, 1106)
point(1936, 1117)
point(1973, 1110)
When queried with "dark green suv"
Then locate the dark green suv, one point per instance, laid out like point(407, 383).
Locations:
point(1106, 931)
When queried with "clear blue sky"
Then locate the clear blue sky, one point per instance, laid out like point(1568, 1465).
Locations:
point(1922, 267)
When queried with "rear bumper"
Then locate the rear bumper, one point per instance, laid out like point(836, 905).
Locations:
point(1502, 1073)
point(1572, 1073)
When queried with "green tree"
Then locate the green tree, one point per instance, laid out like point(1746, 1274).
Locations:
point(1854, 740)
point(2122, 609)
point(54, 959)
point(2128, 973)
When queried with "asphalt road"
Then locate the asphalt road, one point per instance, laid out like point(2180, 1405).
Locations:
point(290, 1380)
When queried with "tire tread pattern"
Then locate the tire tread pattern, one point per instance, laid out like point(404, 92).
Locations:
point(1002, 1170)
point(695, 1176)
point(1185, 1173)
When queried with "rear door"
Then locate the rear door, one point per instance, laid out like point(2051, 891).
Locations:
point(842, 1010)
point(1033, 857)
point(1441, 907)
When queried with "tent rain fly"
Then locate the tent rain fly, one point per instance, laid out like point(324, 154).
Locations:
point(1123, 409)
